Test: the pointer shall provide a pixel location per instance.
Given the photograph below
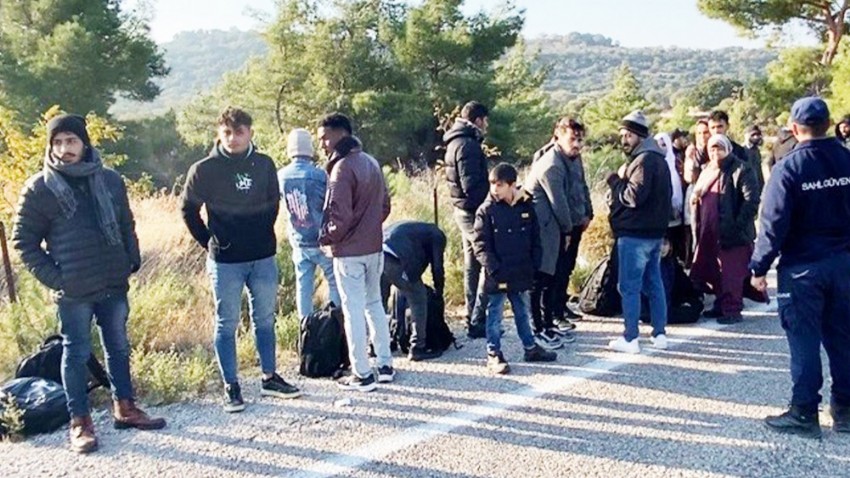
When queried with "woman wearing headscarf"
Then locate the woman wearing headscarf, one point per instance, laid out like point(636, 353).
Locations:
point(724, 206)
point(676, 229)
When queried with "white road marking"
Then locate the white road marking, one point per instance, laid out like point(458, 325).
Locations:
point(349, 462)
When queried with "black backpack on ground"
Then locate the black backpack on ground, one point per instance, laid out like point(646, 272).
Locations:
point(438, 334)
point(41, 401)
point(46, 363)
point(321, 343)
point(599, 295)
point(684, 301)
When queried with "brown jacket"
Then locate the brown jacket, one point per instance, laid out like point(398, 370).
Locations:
point(357, 202)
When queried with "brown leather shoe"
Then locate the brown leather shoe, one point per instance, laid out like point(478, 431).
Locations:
point(83, 439)
point(128, 415)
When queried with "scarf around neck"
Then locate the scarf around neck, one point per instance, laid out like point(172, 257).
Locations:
point(91, 168)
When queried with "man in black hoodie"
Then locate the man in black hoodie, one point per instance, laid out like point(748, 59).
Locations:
point(238, 185)
point(466, 172)
point(641, 207)
point(718, 123)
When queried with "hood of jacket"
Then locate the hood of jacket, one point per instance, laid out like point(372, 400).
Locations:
point(462, 128)
point(648, 145)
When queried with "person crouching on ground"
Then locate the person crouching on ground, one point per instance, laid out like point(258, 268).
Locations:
point(80, 210)
point(506, 241)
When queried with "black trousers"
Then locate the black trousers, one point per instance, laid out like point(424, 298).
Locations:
point(549, 295)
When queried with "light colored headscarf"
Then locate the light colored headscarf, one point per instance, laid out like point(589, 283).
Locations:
point(670, 157)
point(721, 140)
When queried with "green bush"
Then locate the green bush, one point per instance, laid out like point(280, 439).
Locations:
point(168, 376)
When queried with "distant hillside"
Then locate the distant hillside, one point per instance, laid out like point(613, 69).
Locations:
point(197, 59)
point(581, 65)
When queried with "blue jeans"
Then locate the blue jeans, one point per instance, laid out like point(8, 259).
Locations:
point(814, 307)
point(228, 280)
point(360, 287)
point(306, 259)
point(640, 271)
point(75, 321)
point(520, 303)
point(473, 274)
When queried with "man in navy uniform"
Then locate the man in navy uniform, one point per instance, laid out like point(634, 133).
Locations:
point(805, 219)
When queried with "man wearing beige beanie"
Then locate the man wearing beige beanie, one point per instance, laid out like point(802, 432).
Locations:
point(302, 190)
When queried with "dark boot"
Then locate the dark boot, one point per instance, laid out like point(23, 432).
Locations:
point(840, 419)
point(419, 354)
point(476, 331)
point(713, 313)
point(83, 439)
point(796, 422)
point(538, 354)
point(127, 415)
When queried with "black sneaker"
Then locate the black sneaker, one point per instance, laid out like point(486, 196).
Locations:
point(233, 398)
point(277, 387)
point(565, 325)
point(418, 355)
point(386, 374)
point(497, 364)
point(792, 421)
point(566, 336)
point(476, 332)
point(571, 315)
point(549, 340)
point(730, 319)
point(353, 382)
point(713, 313)
point(537, 354)
point(840, 419)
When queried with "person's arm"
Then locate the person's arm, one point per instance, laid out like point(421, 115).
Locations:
point(536, 246)
point(339, 206)
point(587, 196)
point(31, 228)
point(193, 200)
point(552, 181)
point(483, 243)
point(272, 203)
point(634, 190)
point(775, 219)
point(472, 171)
point(387, 203)
point(127, 224)
point(749, 187)
point(438, 273)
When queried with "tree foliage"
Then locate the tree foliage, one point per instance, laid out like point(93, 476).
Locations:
point(827, 18)
point(603, 115)
point(77, 53)
point(401, 72)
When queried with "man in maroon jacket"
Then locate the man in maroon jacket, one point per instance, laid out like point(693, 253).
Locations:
point(356, 205)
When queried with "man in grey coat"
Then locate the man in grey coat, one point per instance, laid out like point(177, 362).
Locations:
point(563, 207)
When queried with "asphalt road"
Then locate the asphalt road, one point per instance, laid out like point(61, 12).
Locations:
point(693, 410)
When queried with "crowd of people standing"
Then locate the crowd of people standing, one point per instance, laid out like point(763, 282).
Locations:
point(75, 232)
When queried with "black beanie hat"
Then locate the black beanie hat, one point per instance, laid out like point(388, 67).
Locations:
point(68, 124)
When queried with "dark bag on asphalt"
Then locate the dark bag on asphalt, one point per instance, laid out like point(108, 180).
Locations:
point(684, 301)
point(599, 295)
point(46, 363)
point(438, 334)
point(41, 401)
point(321, 343)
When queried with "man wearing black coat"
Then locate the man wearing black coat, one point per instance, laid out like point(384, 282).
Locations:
point(410, 247)
point(79, 210)
point(466, 173)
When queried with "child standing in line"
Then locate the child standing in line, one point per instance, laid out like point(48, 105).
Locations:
point(507, 243)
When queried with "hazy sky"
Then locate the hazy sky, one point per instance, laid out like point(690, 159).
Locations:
point(633, 23)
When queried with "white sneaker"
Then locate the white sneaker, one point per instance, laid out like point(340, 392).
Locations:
point(659, 341)
point(621, 345)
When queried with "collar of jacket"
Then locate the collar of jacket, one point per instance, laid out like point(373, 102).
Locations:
point(218, 151)
point(345, 146)
point(560, 152)
point(729, 163)
point(648, 145)
point(479, 135)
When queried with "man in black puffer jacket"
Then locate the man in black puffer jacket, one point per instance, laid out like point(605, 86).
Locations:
point(80, 210)
point(641, 208)
point(466, 172)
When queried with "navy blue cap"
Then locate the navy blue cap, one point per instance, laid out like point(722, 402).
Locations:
point(810, 111)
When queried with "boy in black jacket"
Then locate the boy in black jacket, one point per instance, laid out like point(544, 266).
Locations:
point(507, 243)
